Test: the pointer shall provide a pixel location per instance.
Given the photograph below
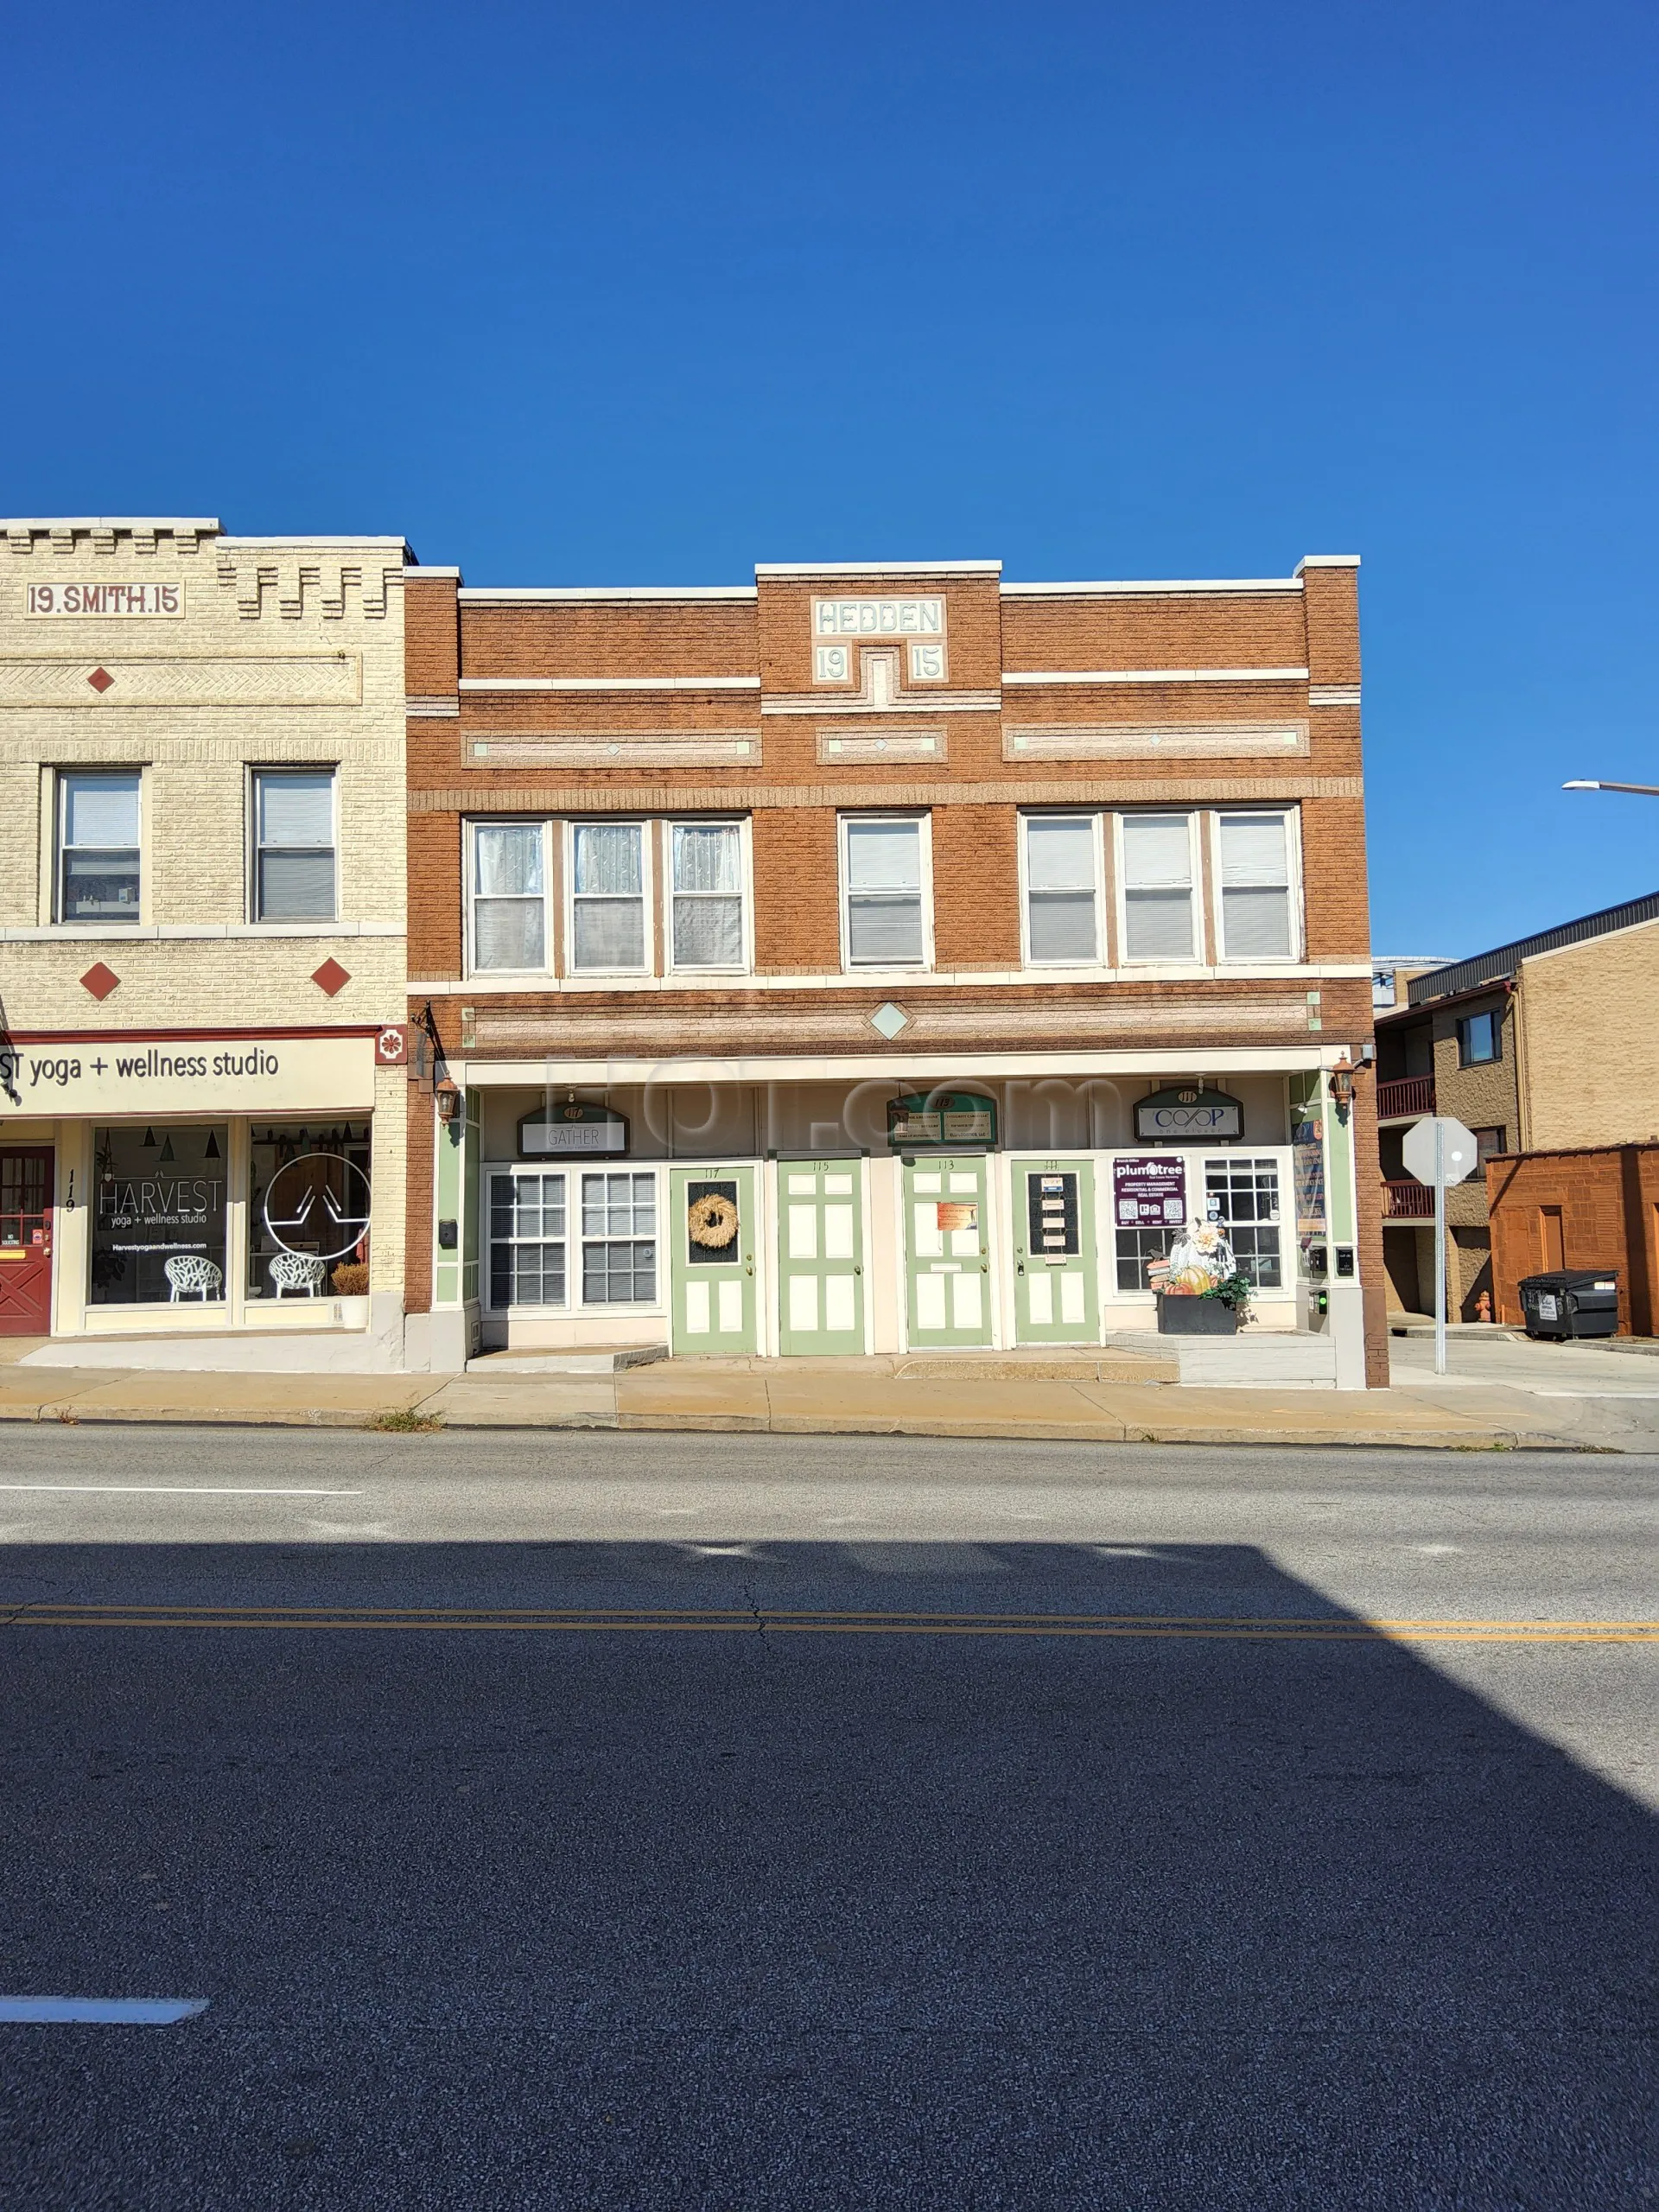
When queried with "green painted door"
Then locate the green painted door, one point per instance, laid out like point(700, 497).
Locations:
point(1054, 1296)
point(821, 1255)
point(711, 1259)
point(947, 1254)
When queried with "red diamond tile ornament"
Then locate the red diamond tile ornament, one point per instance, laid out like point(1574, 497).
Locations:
point(100, 679)
point(331, 977)
point(100, 980)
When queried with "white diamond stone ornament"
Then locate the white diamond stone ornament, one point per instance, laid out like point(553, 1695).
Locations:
point(888, 1019)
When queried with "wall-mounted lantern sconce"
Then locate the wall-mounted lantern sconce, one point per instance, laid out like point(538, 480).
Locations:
point(448, 1098)
point(1342, 1085)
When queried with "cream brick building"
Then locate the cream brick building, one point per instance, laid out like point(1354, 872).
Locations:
point(202, 915)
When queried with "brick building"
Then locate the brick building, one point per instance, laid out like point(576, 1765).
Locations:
point(202, 1144)
point(1539, 1047)
point(884, 958)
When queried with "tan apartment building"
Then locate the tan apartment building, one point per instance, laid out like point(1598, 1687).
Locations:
point(886, 957)
point(202, 1081)
point(1545, 1045)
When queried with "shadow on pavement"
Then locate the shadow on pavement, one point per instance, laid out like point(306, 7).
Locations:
point(760, 1919)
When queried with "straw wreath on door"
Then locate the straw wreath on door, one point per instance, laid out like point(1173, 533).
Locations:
point(712, 1221)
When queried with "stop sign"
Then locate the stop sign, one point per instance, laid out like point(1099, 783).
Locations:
point(1457, 1149)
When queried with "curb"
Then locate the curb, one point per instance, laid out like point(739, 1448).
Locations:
point(1025, 1431)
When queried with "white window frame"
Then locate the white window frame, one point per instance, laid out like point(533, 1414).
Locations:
point(251, 805)
point(469, 861)
point(577, 1240)
point(1292, 818)
point(924, 817)
point(745, 890)
point(1028, 959)
point(1120, 888)
point(96, 924)
point(515, 1168)
point(569, 826)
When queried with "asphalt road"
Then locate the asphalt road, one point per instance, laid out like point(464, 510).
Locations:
point(906, 1905)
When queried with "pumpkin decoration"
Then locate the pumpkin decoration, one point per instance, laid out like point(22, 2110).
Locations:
point(711, 1221)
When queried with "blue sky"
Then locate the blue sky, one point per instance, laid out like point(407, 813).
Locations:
point(647, 293)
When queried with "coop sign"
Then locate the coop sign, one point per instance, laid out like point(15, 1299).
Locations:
point(878, 618)
point(1188, 1115)
point(58, 600)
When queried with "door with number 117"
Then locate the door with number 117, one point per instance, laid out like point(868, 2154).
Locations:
point(821, 1255)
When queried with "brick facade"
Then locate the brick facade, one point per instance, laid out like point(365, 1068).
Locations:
point(1604, 1205)
point(189, 658)
point(656, 706)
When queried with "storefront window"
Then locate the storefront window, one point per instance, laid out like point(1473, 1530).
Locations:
point(158, 1227)
point(618, 1239)
point(309, 1209)
point(527, 1242)
point(1244, 1195)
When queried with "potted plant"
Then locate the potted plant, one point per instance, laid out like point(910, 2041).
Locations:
point(1200, 1290)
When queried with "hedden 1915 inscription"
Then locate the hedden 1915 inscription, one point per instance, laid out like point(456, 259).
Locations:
point(878, 618)
point(59, 599)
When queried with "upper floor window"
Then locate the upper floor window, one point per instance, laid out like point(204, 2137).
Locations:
point(294, 845)
point(598, 880)
point(98, 846)
point(706, 877)
point(509, 894)
point(883, 882)
point(1489, 1142)
point(1480, 1040)
point(1062, 890)
point(1160, 920)
point(1254, 901)
point(607, 897)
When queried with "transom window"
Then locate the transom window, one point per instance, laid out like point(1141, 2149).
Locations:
point(99, 845)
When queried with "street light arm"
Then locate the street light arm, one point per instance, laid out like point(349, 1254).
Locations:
point(1646, 790)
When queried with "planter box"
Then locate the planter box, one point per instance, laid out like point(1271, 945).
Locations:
point(1195, 1317)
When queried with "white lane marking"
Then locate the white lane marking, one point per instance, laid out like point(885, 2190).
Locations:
point(127, 2011)
point(1595, 1394)
point(173, 1490)
point(1437, 1551)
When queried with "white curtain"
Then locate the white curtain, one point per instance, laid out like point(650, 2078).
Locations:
point(608, 858)
point(509, 910)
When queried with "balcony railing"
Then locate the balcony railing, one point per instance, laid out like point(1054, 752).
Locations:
point(1408, 1202)
point(1411, 1094)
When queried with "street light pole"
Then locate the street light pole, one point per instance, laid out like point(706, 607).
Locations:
point(1646, 790)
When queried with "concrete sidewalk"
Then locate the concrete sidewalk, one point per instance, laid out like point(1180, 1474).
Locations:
point(1105, 1401)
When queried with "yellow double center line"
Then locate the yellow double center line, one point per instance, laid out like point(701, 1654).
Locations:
point(1145, 1627)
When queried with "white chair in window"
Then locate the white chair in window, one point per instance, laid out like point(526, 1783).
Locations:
point(301, 1271)
point(191, 1276)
